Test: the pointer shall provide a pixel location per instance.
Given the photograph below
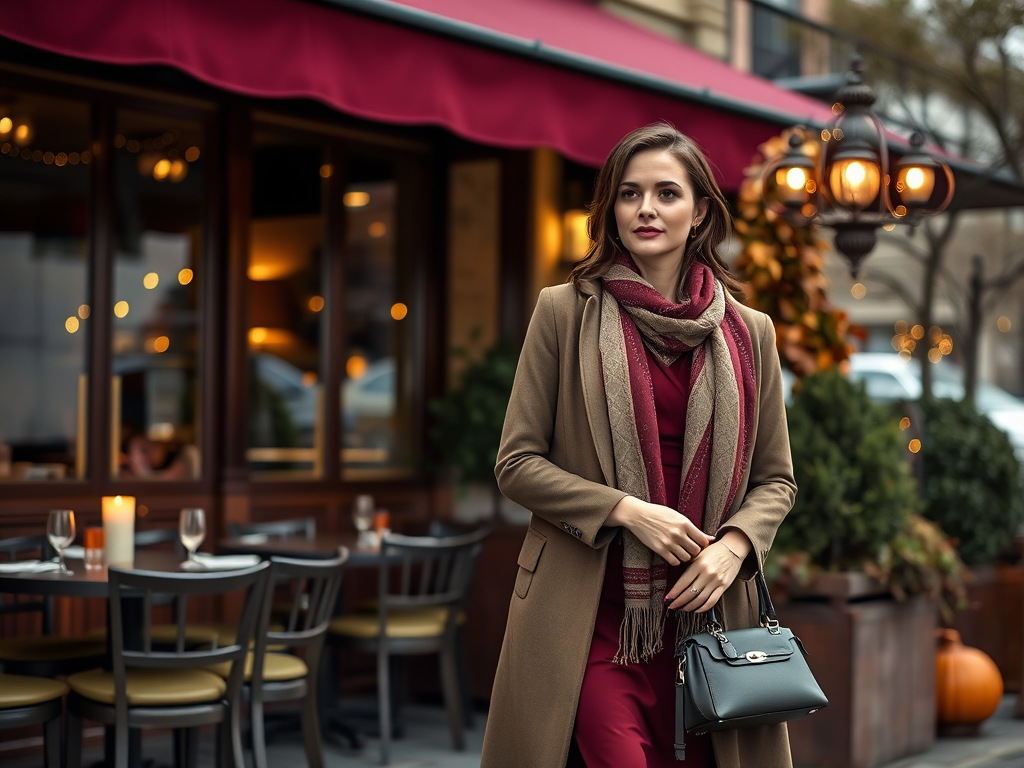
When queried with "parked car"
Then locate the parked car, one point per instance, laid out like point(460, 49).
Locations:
point(889, 378)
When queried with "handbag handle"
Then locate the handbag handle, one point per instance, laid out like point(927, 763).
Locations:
point(768, 617)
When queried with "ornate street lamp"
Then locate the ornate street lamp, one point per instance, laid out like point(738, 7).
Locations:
point(851, 188)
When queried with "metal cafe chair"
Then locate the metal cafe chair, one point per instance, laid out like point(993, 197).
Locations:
point(273, 675)
point(28, 700)
point(422, 584)
point(168, 688)
point(41, 655)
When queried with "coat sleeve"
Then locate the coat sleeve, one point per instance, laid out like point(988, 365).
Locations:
point(525, 473)
point(771, 488)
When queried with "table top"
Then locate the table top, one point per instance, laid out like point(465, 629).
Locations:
point(84, 582)
point(323, 546)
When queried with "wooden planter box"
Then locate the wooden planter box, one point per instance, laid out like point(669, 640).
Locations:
point(875, 660)
point(994, 619)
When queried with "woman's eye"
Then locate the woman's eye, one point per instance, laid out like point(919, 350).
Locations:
point(668, 193)
point(627, 194)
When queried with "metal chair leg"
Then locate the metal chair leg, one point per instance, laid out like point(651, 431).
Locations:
point(465, 687)
point(51, 743)
point(74, 741)
point(257, 733)
point(384, 703)
point(311, 726)
point(452, 694)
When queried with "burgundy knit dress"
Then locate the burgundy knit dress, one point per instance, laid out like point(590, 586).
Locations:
point(626, 714)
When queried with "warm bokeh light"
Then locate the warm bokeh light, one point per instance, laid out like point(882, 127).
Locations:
point(1003, 324)
point(355, 366)
point(915, 178)
point(917, 332)
point(257, 335)
point(905, 355)
point(326, 171)
point(309, 379)
point(316, 303)
point(151, 280)
point(796, 178)
point(83, 311)
point(399, 311)
point(934, 355)
point(905, 423)
point(192, 154)
point(5, 125)
point(185, 276)
point(161, 343)
point(858, 291)
point(179, 170)
point(142, 510)
point(121, 309)
point(945, 345)
point(161, 169)
point(901, 326)
point(377, 229)
point(71, 324)
point(914, 445)
point(356, 199)
point(23, 134)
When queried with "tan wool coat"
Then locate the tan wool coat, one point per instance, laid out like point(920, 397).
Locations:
point(556, 460)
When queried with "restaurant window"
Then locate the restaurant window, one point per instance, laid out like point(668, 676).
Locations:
point(159, 181)
point(45, 153)
point(287, 303)
point(376, 338)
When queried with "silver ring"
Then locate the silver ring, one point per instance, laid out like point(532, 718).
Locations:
point(695, 590)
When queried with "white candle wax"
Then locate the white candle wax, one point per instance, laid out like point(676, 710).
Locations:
point(119, 529)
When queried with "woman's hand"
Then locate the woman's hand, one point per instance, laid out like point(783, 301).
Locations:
point(662, 530)
point(711, 573)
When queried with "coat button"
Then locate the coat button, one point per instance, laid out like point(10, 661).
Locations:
point(567, 528)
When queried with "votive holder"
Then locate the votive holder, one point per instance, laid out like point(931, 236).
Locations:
point(94, 541)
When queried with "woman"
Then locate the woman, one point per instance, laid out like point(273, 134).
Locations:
point(647, 433)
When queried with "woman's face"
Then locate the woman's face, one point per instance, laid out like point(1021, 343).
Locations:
point(655, 207)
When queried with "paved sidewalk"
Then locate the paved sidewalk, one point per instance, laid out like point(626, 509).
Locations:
point(1000, 745)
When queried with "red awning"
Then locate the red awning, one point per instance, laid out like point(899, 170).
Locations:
point(516, 73)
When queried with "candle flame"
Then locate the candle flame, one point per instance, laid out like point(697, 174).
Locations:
point(117, 500)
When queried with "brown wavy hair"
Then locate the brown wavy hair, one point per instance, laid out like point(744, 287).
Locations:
point(601, 226)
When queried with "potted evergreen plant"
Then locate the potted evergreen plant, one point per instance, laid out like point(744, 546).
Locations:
point(466, 427)
point(852, 545)
point(972, 488)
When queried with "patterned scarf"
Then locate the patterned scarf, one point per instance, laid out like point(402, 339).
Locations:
point(719, 419)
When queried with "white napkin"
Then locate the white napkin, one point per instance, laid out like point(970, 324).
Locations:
point(75, 553)
point(226, 562)
point(29, 566)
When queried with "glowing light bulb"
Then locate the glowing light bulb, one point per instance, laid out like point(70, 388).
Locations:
point(855, 173)
point(915, 178)
point(796, 178)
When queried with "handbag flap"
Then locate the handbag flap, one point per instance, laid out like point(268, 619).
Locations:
point(745, 646)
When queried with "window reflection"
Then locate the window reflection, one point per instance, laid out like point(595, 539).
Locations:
point(159, 192)
point(286, 305)
point(44, 308)
point(376, 429)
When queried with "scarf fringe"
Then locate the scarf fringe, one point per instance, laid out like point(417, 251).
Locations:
point(640, 634)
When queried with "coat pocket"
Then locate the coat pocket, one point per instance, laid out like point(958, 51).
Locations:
point(529, 556)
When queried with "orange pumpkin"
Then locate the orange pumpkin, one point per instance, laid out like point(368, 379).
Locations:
point(968, 685)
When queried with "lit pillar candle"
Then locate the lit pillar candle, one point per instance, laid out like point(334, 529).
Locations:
point(119, 529)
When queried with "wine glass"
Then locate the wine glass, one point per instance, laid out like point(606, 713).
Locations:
point(60, 530)
point(192, 531)
point(362, 515)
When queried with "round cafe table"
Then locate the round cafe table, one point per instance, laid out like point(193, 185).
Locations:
point(83, 582)
point(323, 546)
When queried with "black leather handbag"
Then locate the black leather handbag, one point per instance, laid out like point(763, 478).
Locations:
point(742, 678)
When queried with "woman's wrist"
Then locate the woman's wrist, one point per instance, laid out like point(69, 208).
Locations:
point(622, 513)
point(737, 543)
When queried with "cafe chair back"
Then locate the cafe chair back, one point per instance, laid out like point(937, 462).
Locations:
point(296, 528)
point(30, 701)
point(312, 587)
point(421, 590)
point(40, 654)
point(168, 686)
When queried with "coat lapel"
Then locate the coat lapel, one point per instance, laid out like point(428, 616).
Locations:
point(593, 382)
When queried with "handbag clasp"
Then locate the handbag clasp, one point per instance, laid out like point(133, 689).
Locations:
point(756, 657)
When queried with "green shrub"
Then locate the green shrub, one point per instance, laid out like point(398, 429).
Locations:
point(856, 491)
point(972, 480)
point(467, 423)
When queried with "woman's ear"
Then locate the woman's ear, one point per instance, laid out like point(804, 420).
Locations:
point(700, 213)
